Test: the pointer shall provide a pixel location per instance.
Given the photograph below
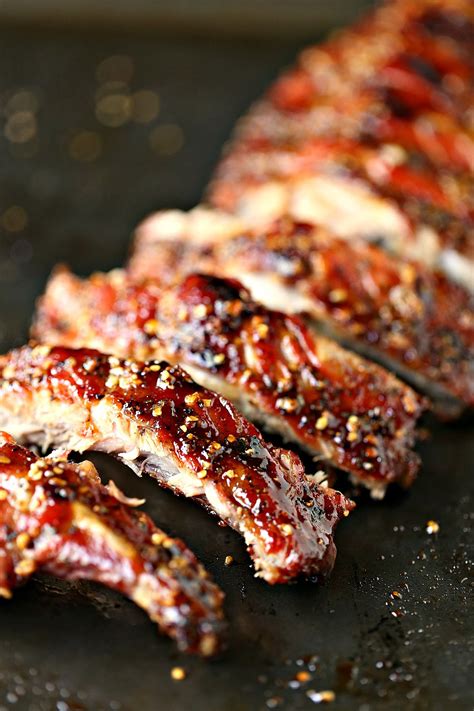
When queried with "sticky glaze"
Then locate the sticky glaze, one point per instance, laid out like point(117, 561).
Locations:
point(411, 317)
point(331, 402)
point(398, 85)
point(58, 518)
point(415, 316)
point(158, 411)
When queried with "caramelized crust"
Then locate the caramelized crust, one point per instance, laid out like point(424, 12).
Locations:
point(411, 318)
point(57, 517)
point(381, 117)
point(331, 402)
point(158, 421)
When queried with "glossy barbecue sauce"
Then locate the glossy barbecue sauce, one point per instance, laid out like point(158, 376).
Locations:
point(329, 400)
point(274, 359)
point(57, 517)
point(408, 83)
point(267, 492)
point(413, 314)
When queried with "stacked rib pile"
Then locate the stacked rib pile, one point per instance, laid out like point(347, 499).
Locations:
point(343, 209)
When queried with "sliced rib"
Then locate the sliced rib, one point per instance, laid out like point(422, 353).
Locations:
point(358, 192)
point(158, 421)
point(408, 317)
point(305, 387)
point(371, 135)
point(57, 517)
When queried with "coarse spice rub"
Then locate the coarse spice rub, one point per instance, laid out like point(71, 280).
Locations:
point(158, 421)
point(411, 318)
point(58, 518)
point(369, 134)
point(334, 404)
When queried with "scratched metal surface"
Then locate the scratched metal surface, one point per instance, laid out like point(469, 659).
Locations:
point(71, 189)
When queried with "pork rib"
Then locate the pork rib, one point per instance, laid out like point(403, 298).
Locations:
point(331, 402)
point(369, 135)
point(57, 517)
point(158, 421)
point(358, 194)
point(410, 318)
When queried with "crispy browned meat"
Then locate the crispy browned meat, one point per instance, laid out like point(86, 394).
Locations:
point(158, 421)
point(307, 388)
point(410, 318)
point(57, 517)
point(370, 134)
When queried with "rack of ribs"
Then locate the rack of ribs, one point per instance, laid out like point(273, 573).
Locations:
point(370, 135)
point(305, 387)
point(159, 422)
point(58, 518)
point(408, 317)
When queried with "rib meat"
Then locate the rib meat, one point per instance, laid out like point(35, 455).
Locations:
point(57, 517)
point(358, 194)
point(410, 318)
point(370, 135)
point(158, 421)
point(305, 387)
